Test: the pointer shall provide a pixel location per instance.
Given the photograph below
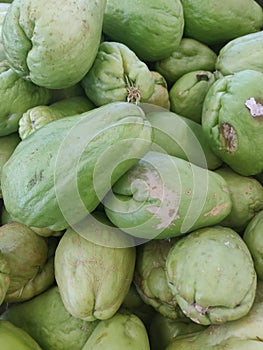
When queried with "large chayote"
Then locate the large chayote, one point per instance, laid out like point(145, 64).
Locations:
point(232, 120)
point(218, 22)
point(151, 29)
point(67, 166)
point(53, 43)
point(121, 331)
point(117, 74)
point(164, 196)
point(45, 319)
point(212, 275)
point(93, 279)
point(16, 96)
point(13, 337)
point(28, 258)
point(245, 333)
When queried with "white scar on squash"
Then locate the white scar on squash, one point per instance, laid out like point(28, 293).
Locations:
point(167, 212)
point(256, 109)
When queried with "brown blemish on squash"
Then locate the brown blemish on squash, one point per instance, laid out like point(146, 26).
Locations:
point(216, 210)
point(228, 137)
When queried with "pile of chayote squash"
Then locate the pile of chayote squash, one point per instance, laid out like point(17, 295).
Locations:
point(131, 175)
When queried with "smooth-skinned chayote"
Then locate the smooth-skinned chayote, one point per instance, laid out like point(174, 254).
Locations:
point(151, 30)
point(212, 275)
point(245, 333)
point(13, 337)
point(240, 54)
point(28, 258)
point(93, 279)
point(67, 166)
point(246, 195)
point(45, 318)
point(117, 74)
point(52, 48)
point(123, 330)
point(216, 23)
point(164, 196)
point(232, 120)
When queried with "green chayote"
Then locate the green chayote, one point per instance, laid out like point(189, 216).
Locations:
point(155, 197)
point(103, 273)
point(245, 333)
point(117, 74)
point(151, 29)
point(253, 239)
point(27, 255)
point(121, 331)
point(212, 276)
point(45, 318)
point(52, 43)
point(13, 337)
point(232, 120)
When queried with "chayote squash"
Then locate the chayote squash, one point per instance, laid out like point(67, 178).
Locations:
point(36, 117)
point(53, 44)
point(29, 259)
point(93, 279)
point(67, 166)
point(232, 120)
point(117, 74)
point(121, 331)
point(216, 22)
point(241, 53)
point(164, 196)
point(246, 333)
point(151, 29)
point(253, 239)
point(45, 319)
point(246, 196)
point(190, 55)
point(13, 337)
point(150, 277)
point(212, 275)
